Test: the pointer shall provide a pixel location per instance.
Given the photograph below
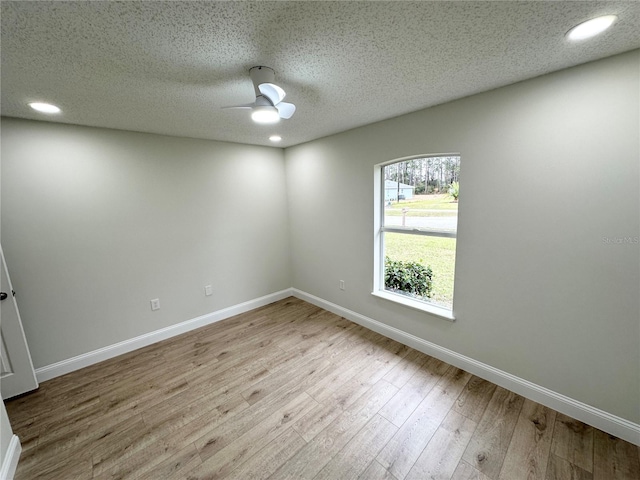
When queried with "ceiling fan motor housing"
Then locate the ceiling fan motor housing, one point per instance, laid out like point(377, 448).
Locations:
point(260, 75)
point(268, 106)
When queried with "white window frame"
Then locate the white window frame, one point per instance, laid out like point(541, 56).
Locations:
point(378, 247)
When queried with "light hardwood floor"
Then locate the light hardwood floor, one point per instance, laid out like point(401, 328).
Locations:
point(291, 391)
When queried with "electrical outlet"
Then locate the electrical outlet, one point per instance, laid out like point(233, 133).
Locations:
point(342, 285)
point(208, 290)
point(155, 304)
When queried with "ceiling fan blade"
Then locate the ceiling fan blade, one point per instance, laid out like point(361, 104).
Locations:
point(248, 105)
point(286, 110)
point(273, 92)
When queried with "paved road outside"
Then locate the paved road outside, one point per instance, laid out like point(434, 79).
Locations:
point(440, 223)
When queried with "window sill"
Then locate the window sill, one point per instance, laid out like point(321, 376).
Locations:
point(416, 305)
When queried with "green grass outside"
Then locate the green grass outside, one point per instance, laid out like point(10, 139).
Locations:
point(435, 252)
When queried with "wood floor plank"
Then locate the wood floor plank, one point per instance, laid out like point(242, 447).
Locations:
point(132, 396)
point(351, 342)
point(206, 425)
point(22, 410)
point(188, 424)
point(474, 399)
point(368, 348)
point(375, 471)
point(174, 467)
point(320, 350)
point(439, 459)
point(57, 411)
point(573, 441)
point(489, 443)
point(225, 433)
point(93, 431)
point(299, 381)
point(51, 456)
point(237, 451)
point(219, 340)
point(198, 357)
point(323, 324)
point(145, 444)
point(103, 374)
point(329, 441)
point(613, 458)
point(560, 469)
point(390, 354)
point(528, 452)
point(404, 370)
point(325, 388)
point(400, 408)
point(464, 471)
point(225, 383)
point(358, 453)
point(291, 391)
point(405, 447)
point(182, 409)
point(274, 381)
point(67, 469)
point(140, 456)
point(378, 365)
point(214, 430)
point(262, 465)
point(252, 369)
point(316, 420)
point(330, 336)
point(73, 427)
point(82, 443)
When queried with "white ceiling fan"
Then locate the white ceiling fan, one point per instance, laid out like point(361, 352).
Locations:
point(268, 107)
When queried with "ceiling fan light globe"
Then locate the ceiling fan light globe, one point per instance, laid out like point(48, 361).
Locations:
point(265, 115)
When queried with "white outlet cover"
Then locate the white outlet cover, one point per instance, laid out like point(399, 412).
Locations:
point(155, 304)
point(208, 290)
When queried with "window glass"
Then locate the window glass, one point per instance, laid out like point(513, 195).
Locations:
point(436, 253)
point(418, 228)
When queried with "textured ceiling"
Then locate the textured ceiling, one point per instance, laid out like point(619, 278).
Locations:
point(169, 67)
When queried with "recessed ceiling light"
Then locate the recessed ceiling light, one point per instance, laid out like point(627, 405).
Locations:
point(275, 138)
point(590, 28)
point(44, 107)
point(265, 114)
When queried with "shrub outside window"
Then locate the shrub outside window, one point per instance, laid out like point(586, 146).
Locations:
point(416, 226)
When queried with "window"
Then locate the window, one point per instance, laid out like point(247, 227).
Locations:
point(416, 223)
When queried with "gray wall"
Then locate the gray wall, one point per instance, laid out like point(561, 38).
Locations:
point(550, 167)
point(97, 222)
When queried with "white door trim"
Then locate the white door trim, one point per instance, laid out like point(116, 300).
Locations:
point(10, 460)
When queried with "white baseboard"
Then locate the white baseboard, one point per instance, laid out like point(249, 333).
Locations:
point(75, 363)
point(607, 422)
point(10, 460)
point(595, 417)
